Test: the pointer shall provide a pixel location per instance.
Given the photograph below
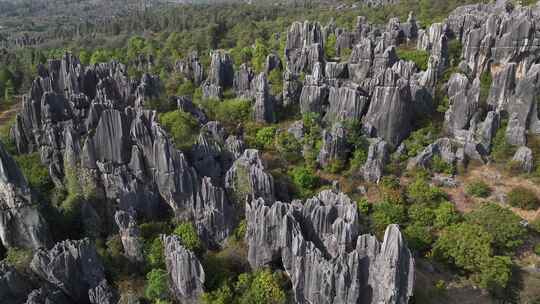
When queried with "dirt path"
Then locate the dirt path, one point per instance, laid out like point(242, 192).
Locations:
point(7, 114)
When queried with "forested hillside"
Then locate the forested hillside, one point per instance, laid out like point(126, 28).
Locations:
point(294, 152)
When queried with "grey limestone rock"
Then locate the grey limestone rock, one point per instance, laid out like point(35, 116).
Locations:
point(321, 250)
point(377, 158)
point(72, 266)
point(247, 176)
point(186, 274)
point(524, 157)
point(263, 109)
point(21, 223)
point(130, 235)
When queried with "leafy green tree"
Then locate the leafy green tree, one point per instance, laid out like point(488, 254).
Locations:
point(188, 234)
point(156, 285)
point(466, 245)
point(154, 254)
point(183, 127)
point(265, 137)
point(419, 57)
point(421, 192)
point(305, 180)
point(35, 172)
point(260, 52)
point(504, 226)
point(260, 287)
point(386, 213)
point(289, 146)
point(446, 215)
point(330, 47)
point(421, 215)
point(99, 56)
point(418, 237)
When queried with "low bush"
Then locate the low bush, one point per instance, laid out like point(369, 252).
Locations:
point(523, 198)
point(305, 180)
point(19, 258)
point(182, 126)
point(188, 234)
point(419, 57)
point(35, 172)
point(265, 138)
point(478, 188)
point(289, 147)
point(156, 285)
point(502, 224)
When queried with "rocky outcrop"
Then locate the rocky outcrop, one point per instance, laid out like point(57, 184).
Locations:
point(334, 146)
point(220, 75)
point(247, 176)
point(464, 102)
point(186, 274)
point(130, 235)
point(21, 224)
point(73, 267)
point(191, 68)
point(377, 158)
point(319, 245)
point(524, 159)
point(263, 109)
point(242, 81)
point(47, 295)
point(13, 286)
point(347, 103)
point(390, 111)
point(444, 148)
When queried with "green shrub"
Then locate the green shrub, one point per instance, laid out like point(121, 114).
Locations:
point(19, 258)
point(439, 165)
point(230, 112)
point(537, 249)
point(335, 166)
point(240, 231)
point(421, 192)
point(156, 285)
point(330, 47)
point(305, 180)
point(504, 226)
point(485, 86)
point(418, 237)
point(262, 286)
point(188, 234)
point(445, 215)
point(419, 57)
point(265, 138)
point(154, 254)
point(35, 172)
point(421, 215)
point(478, 188)
point(364, 206)
point(523, 198)
point(501, 150)
point(183, 128)
point(289, 147)
point(275, 78)
point(386, 213)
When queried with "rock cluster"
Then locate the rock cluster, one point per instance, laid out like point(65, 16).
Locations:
point(319, 245)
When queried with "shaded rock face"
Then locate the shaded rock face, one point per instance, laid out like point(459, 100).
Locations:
point(191, 68)
point(347, 103)
point(304, 47)
point(130, 235)
point(464, 102)
point(319, 245)
point(247, 176)
point(390, 112)
point(13, 286)
point(21, 224)
point(47, 295)
point(74, 267)
point(377, 158)
point(220, 75)
point(242, 81)
point(334, 146)
point(92, 123)
point(186, 274)
point(524, 158)
point(263, 109)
